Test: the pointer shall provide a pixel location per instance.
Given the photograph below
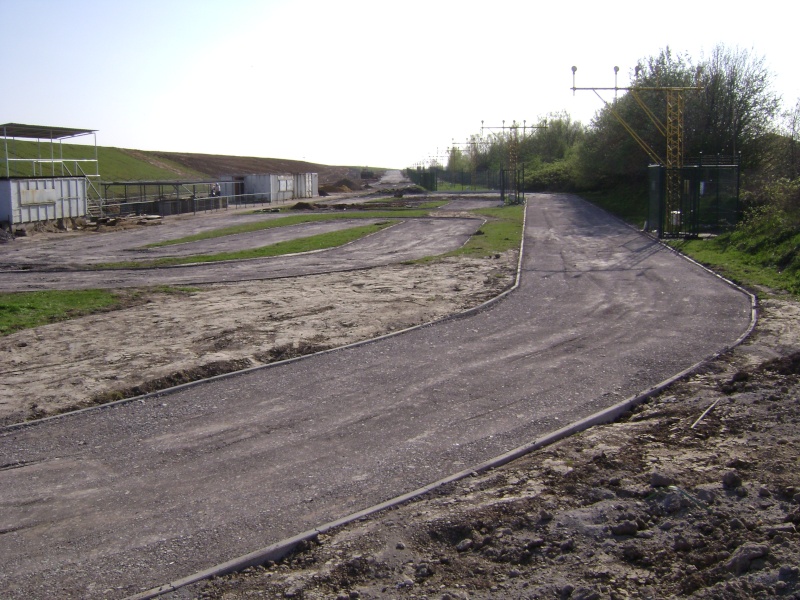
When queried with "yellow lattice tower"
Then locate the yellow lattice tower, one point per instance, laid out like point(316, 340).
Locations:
point(674, 158)
point(672, 131)
point(513, 147)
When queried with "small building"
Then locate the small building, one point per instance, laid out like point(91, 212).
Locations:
point(276, 188)
point(29, 200)
point(306, 185)
point(38, 183)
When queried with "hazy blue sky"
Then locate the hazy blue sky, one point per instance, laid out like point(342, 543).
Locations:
point(346, 81)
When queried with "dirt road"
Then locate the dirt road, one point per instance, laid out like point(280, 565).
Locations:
point(380, 418)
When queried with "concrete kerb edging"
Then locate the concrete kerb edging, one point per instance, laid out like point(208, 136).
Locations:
point(190, 384)
point(281, 549)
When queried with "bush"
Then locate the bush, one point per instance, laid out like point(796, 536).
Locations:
point(551, 177)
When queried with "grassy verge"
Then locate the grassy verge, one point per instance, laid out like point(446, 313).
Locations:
point(306, 244)
point(751, 269)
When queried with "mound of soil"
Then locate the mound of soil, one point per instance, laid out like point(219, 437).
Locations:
point(342, 186)
point(304, 206)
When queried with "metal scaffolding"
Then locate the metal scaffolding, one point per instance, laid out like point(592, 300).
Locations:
point(50, 138)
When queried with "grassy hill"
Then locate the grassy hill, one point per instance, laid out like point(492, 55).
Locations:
point(122, 164)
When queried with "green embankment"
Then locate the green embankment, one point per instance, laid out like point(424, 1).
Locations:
point(766, 261)
point(117, 164)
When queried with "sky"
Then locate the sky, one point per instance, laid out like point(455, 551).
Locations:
point(376, 83)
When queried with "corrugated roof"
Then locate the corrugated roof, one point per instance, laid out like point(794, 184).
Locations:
point(41, 132)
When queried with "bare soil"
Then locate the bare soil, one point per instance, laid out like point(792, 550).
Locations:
point(161, 339)
point(696, 493)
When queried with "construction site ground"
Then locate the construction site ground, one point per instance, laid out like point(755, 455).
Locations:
point(669, 501)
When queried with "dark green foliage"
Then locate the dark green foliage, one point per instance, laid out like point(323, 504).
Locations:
point(731, 112)
point(546, 152)
point(558, 176)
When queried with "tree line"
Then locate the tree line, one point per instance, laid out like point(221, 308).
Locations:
point(731, 110)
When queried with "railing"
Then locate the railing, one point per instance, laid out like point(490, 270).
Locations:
point(176, 206)
point(450, 180)
point(53, 162)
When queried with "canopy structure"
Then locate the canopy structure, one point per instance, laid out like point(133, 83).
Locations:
point(42, 132)
point(31, 162)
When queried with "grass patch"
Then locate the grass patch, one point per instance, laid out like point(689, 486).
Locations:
point(295, 246)
point(501, 232)
point(287, 222)
point(432, 204)
point(750, 264)
point(24, 310)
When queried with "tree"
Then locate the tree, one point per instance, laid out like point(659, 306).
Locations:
point(736, 108)
point(790, 133)
point(730, 113)
point(457, 160)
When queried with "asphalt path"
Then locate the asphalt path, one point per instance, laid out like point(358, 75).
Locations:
point(106, 503)
point(85, 247)
point(407, 240)
point(84, 252)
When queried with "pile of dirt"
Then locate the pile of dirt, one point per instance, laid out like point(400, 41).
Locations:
point(304, 206)
point(198, 373)
point(340, 187)
point(673, 500)
point(290, 350)
point(409, 189)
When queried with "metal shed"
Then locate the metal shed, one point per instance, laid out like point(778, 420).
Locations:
point(306, 185)
point(38, 182)
point(277, 188)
